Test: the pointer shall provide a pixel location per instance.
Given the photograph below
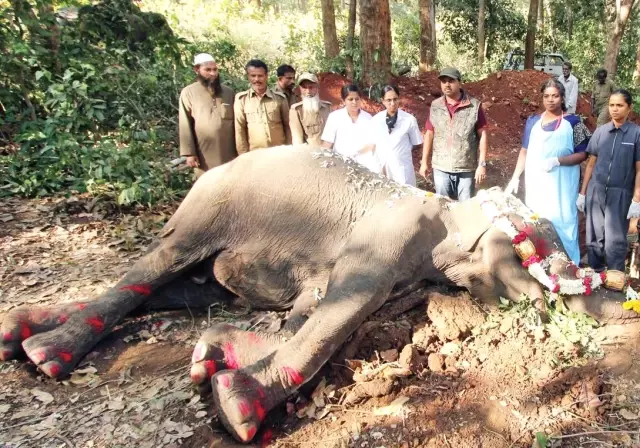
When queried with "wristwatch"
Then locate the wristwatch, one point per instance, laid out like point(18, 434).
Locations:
point(483, 164)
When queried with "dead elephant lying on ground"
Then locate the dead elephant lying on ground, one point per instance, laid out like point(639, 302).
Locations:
point(273, 227)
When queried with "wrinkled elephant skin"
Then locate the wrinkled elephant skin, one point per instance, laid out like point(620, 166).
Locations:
point(270, 228)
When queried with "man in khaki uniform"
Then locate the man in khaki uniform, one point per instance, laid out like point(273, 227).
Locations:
point(261, 115)
point(308, 117)
point(205, 118)
point(602, 90)
point(286, 83)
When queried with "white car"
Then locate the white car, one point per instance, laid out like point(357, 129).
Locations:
point(545, 62)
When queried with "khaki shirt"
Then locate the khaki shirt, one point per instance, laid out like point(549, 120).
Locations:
point(261, 122)
point(602, 92)
point(289, 94)
point(307, 127)
point(205, 125)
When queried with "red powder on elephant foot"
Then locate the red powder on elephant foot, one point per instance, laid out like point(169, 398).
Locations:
point(244, 408)
point(267, 437)
point(25, 331)
point(260, 412)
point(210, 365)
point(293, 375)
point(96, 323)
point(7, 337)
point(230, 356)
point(144, 289)
point(65, 356)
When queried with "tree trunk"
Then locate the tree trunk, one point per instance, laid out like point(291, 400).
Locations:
point(481, 32)
point(569, 22)
point(375, 40)
point(331, 47)
point(427, 35)
point(541, 24)
point(351, 30)
point(530, 44)
point(636, 71)
point(617, 13)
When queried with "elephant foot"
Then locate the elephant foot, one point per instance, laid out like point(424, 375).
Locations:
point(241, 403)
point(224, 347)
point(56, 352)
point(21, 324)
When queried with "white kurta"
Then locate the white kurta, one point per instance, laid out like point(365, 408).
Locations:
point(570, 92)
point(348, 137)
point(393, 150)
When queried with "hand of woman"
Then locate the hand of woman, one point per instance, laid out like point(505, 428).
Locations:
point(549, 164)
point(193, 162)
point(580, 203)
point(634, 210)
point(512, 186)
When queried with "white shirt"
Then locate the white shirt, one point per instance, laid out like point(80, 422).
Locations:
point(348, 137)
point(570, 92)
point(393, 150)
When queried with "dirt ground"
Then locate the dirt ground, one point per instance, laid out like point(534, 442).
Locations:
point(435, 369)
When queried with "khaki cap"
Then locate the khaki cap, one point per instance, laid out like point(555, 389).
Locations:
point(308, 77)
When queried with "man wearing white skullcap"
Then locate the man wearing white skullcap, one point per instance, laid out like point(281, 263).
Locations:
point(205, 118)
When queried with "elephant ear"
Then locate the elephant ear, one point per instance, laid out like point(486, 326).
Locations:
point(471, 223)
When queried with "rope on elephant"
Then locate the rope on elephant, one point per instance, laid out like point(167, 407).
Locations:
point(497, 206)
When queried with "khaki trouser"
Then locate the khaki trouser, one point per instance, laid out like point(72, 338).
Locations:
point(603, 116)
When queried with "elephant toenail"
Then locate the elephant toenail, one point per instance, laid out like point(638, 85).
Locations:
point(51, 369)
point(38, 357)
point(251, 433)
point(199, 352)
point(7, 337)
point(198, 373)
point(224, 381)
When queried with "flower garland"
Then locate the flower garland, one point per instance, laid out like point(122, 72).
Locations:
point(587, 280)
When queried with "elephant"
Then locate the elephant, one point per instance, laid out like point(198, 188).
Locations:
point(299, 228)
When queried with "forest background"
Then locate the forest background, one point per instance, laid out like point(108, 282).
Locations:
point(89, 91)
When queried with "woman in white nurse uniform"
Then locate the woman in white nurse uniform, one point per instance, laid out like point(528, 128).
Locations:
point(395, 134)
point(346, 130)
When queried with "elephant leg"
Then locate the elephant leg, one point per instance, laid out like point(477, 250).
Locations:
point(186, 243)
point(225, 347)
point(359, 284)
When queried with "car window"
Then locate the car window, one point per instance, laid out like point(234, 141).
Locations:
point(554, 60)
point(538, 59)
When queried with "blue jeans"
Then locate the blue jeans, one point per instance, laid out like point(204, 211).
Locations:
point(458, 186)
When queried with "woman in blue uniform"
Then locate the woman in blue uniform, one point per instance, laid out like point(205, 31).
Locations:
point(553, 146)
point(610, 191)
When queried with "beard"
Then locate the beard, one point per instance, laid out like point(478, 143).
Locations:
point(311, 104)
point(213, 85)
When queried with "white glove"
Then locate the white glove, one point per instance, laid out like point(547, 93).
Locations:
point(634, 210)
point(549, 164)
point(512, 186)
point(580, 202)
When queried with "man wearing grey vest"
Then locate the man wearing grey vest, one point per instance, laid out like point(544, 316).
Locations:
point(455, 135)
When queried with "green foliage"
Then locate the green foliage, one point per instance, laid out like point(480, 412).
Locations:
point(504, 26)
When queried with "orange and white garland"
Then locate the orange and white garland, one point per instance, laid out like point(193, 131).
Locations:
point(587, 280)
